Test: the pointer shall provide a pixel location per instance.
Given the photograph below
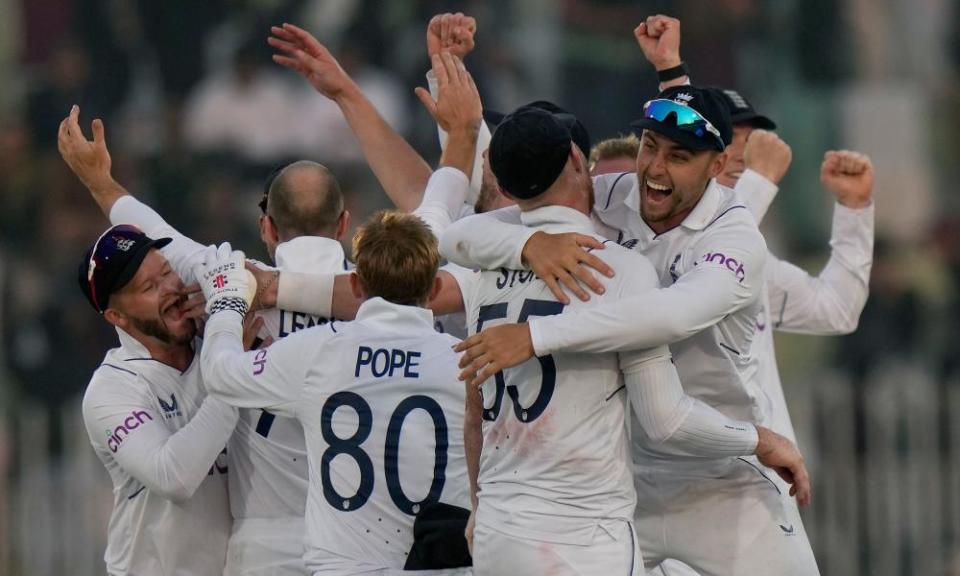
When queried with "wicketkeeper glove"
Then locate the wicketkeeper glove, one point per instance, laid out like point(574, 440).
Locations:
point(226, 283)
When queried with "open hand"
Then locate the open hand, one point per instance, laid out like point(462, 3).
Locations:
point(89, 160)
point(302, 53)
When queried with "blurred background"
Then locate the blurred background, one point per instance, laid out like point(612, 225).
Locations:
point(197, 115)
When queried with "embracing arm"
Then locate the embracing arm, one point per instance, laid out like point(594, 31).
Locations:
point(727, 276)
point(169, 464)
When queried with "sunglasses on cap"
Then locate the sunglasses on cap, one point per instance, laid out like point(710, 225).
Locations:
point(686, 118)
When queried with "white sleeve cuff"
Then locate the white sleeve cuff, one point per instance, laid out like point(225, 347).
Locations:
point(309, 293)
point(756, 192)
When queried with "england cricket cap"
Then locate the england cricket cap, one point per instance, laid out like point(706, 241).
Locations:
point(577, 130)
point(742, 112)
point(692, 116)
point(112, 261)
point(528, 151)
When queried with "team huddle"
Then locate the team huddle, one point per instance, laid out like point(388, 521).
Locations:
point(553, 357)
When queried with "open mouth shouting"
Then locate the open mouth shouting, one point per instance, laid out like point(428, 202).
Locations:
point(656, 193)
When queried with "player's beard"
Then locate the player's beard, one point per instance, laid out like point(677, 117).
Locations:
point(487, 198)
point(157, 329)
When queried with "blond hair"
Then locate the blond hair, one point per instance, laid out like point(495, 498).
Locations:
point(396, 258)
point(624, 146)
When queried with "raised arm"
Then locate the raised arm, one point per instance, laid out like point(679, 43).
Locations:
point(401, 171)
point(455, 33)
point(659, 38)
point(457, 109)
point(831, 302)
point(171, 465)
point(766, 159)
point(90, 161)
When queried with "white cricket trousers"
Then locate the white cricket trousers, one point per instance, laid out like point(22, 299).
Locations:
point(729, 518)
point(613, 552)
point(266, 547)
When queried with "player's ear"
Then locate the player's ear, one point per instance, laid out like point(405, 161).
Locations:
point(343, 223)
point(115, 317)
point(716, 165)
point(435, 288)
point(578, 160)
point(355, 287)
point(268, 231)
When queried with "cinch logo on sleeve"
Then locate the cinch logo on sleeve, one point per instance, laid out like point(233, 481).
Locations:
point(730, 263)
point(132, 422)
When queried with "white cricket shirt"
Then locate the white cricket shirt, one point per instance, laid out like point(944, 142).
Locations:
point(382, 411)
point(711, 268)
point(161, 439)
point(555, 464)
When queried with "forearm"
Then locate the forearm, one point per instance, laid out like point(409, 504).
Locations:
point(182, 252)
point(473, 440)
point(106, 194)
point(175, 467)
point(401, 171)
point(487, 241)
point(646, 320)
point(681, 424)
point(443, 199)
point(831, 302)
point(482, 143)
point(460, 151)
point(756, 192)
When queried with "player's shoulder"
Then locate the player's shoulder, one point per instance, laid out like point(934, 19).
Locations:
point(731, 212)
point(611, 190)
point(113, 382)
point(631, 268)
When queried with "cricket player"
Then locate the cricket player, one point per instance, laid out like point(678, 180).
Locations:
point(301, 226)
point(377, 397)
point(551, 497)
point(149, 418)
point(709, 257)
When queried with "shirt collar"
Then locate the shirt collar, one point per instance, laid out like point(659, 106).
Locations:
point(395, 317)
point(310, 254)
point(698, 218)
point(132, 346)
point(706, 209)
point(554, 219)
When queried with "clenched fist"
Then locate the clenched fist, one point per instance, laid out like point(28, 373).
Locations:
point(766, 154)
point(659, 38)
point(848, 176)
point(451, 32)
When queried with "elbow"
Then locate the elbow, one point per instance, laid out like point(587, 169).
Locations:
point(657, 435)
point(847, 325)
point(174, 491)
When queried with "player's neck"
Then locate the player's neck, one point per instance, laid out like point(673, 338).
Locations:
point(178, 356)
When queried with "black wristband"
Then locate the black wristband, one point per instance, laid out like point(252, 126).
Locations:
point(677, 71)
